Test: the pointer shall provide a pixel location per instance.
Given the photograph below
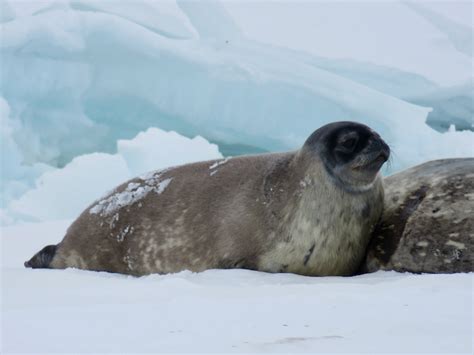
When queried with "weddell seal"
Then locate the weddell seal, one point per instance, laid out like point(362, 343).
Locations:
point(427, 225)
point(308, 212)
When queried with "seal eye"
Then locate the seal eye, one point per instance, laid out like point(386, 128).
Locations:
point(347, 143)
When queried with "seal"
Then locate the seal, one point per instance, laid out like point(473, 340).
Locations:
point(427, 224)
point(309, 212)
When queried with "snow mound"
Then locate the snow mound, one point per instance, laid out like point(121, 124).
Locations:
point(64, 193)
point(157, 149)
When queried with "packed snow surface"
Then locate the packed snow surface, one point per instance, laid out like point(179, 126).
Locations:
point(46, 311)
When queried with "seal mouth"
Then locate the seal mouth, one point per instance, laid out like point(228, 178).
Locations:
point(373, 161)
point(377, 162)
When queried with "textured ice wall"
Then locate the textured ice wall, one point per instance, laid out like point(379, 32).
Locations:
point(103, 71)
point(79, 75)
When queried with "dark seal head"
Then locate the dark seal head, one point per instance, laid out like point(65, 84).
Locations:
point(351, 152)
point(309, 212)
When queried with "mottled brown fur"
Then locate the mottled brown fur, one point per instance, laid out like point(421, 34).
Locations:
point(271, 212)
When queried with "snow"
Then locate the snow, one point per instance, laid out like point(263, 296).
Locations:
point(219, 163)
point(65, 192)
point(45, 311)
point(133, 193)
point(157, 149)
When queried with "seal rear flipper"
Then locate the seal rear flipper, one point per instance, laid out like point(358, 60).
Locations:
point(43, 258)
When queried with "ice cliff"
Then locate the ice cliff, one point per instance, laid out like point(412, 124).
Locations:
point(78, 76)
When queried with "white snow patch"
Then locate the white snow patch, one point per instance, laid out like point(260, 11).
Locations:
point(163, 185)
point(217, 164)
point(121, 236)
point(157, 149)
point(152, 174)
point(131, 194)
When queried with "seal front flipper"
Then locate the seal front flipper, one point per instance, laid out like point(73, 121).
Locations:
point(43, 258)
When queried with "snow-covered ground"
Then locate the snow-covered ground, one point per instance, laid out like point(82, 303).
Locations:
point(45, 311)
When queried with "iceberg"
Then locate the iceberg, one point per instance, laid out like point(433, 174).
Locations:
point(80, 79)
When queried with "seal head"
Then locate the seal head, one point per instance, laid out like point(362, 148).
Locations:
point(351, 152)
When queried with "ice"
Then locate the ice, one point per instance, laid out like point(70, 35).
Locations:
point(223, 311)
point(207, 19)
point(16, 178)
point(461, 36)
point(226, 90)
point(78, 76)
point(6, 12)
point(451, 106)
point(65, 192)
point(367, 31)
point(172, 21)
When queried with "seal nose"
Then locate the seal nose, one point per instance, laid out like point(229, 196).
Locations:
point(380, 147)
point(384, 150)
